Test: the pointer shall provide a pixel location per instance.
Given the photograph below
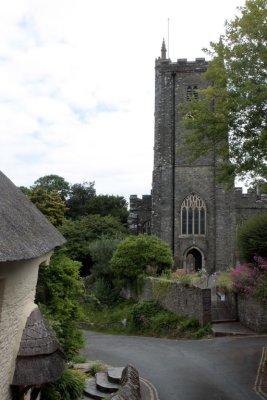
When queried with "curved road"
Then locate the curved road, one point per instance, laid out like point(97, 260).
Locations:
point(211, 369)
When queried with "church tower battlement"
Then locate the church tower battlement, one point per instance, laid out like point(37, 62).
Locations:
point(190, 210)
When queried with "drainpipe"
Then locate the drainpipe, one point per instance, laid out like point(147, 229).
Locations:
point(173, 160)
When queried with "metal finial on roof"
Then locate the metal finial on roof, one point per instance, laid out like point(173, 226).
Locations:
point(163, 50)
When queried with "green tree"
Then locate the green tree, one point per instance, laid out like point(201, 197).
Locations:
point(234, 104)
point(80, 194)
point(102, 277)
point(104, 205)
point(252, 239)
point(59, 290)
point(53, 183)
point(50, 204)
point(81, 232)
point(139, 255)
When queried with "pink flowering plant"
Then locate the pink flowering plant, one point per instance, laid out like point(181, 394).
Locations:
point(250, 279)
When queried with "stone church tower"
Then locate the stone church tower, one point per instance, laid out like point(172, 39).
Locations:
point(188, 208)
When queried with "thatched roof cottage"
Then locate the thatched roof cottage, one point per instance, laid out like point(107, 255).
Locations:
point(30, 354)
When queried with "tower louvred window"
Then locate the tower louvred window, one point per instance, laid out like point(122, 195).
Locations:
point(193, 216)
point(192, 92)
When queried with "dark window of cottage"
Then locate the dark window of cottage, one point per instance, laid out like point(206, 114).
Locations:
point(193, 216)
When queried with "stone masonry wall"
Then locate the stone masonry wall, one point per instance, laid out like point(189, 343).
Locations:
point(193, 302)
point(250, 312)
point(17, 301)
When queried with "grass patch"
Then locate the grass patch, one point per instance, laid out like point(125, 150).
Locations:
point(145, 318)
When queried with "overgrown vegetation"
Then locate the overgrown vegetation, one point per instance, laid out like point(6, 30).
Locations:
point(69, 387)
point(59, 292)
point(82, 232)
point(249, 279)
point(143, 318)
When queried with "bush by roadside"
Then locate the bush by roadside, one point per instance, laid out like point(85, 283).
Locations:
point(146, 318)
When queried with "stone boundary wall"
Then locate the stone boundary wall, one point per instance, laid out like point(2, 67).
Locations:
point(250, 312)
point(130, 382)
point(183, 300)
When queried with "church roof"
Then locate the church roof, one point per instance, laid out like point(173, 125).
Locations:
point(24, 231)
point(40, 358)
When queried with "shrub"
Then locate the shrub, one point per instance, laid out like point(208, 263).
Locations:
point(102, 278)
point(148, 317)
point(224, 281)
point(140, 255)
point(59, 290)
point(144, 318)
point(184, 277)
point(69, 387)
point(252, 238)
point(143, 312)
point(249, 279)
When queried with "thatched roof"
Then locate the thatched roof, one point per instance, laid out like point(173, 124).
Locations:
point(25, 232)
point(40, 359)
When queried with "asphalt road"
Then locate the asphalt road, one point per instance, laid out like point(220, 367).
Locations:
point(212, 369)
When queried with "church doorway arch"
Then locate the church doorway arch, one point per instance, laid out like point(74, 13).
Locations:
point(194, 259)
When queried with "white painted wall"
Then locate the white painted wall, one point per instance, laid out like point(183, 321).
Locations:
point(16, 304)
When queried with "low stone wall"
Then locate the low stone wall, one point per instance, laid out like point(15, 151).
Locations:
point(250, 312)
point(183, 300)
point(231, 304)
point(130, 389)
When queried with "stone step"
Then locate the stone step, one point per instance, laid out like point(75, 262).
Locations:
point(114, 374)
point(231, 329)
point(92, 392)
point(104, 385)
point(223, 321)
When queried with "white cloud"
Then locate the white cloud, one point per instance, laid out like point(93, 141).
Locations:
point(76, 84)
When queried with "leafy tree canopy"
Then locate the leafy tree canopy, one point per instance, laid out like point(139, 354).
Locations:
point(234, 105)
point(137, 255)
point(50, 204)
point(53, 183)
point(104, 205)
point(252, 239)
point(80, 194)
point(81, 232)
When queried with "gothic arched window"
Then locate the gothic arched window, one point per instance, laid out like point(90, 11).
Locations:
point(193, 216)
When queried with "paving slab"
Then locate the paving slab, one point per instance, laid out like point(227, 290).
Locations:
point(231, 329)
